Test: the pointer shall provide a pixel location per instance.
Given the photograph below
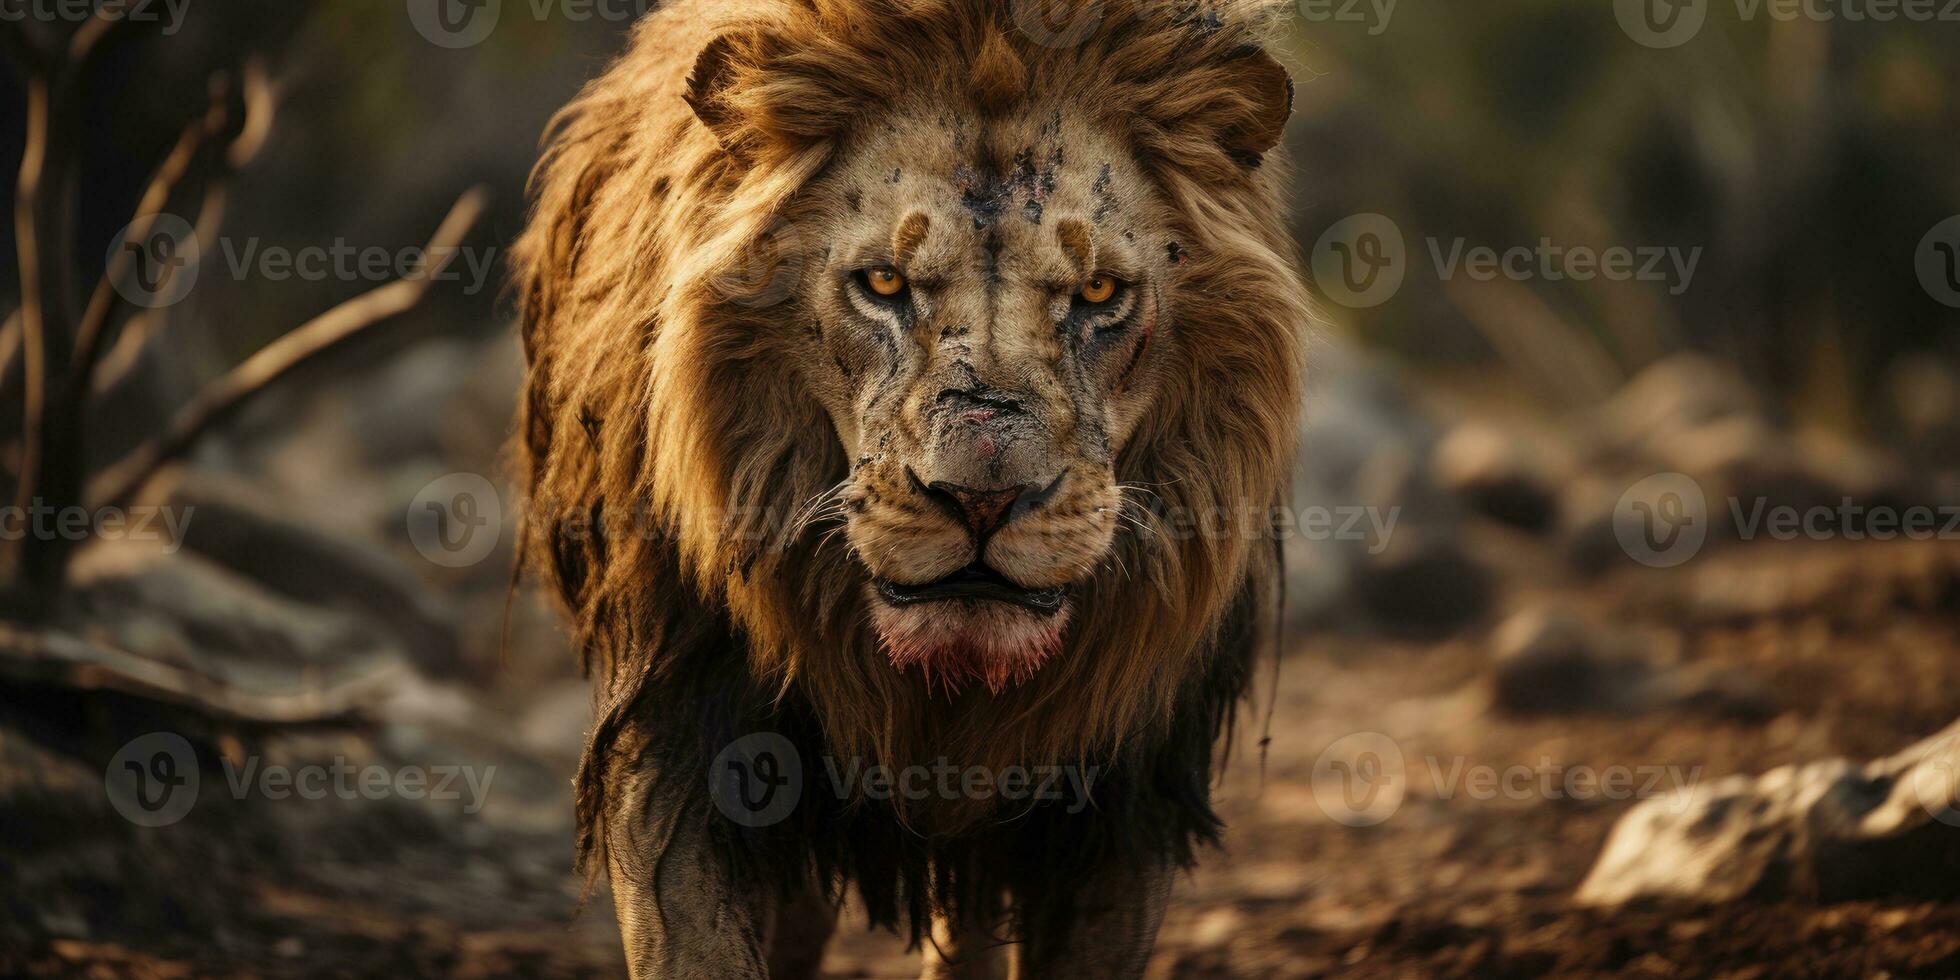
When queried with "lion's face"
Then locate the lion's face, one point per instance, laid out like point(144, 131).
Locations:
point(988, 308)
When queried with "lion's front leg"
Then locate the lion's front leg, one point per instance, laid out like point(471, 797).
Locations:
point(1111, 932)
point(962, 951)
point(682, 915)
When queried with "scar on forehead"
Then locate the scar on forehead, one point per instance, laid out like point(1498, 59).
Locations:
point(1079, 245)
point(908, 236)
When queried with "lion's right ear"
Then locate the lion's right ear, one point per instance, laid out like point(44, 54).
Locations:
point(709, 84)
point(749, 90)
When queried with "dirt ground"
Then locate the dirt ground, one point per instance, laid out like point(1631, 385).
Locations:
point(1751, 656)
point(1447, 885)
point(1453, 886)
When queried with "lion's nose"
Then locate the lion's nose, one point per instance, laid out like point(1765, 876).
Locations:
point(983, 511)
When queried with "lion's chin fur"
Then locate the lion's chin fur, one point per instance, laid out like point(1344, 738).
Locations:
point(958, 641)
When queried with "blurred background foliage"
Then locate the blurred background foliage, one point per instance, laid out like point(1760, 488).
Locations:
point(1807, 158)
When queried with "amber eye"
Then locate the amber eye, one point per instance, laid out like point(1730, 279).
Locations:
point(1099, 289)
point(885, 281)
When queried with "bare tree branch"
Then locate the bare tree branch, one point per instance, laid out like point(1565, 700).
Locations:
point(199, 159)
point(33, 55)
point(121, 481)
point(45, 219)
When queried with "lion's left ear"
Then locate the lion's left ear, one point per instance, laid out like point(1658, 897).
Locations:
point(1238, 102)
point(1263, 93)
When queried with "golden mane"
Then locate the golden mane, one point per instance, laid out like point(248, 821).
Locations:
point(667, 448)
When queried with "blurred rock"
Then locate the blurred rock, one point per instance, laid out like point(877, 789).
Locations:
point(1585, 530)
point(1363, 444)
point(1549, 661)
point(1827, 831)
point(1496, 474)
point(231, 524)
point(1423, 586)
point(1675, 395)
point(179, 629)
point(1926, 406)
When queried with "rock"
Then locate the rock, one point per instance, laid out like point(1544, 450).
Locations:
point(1926, 406)
point(1826, 831)
point(1365, 444)
point(181, 630)
point(1672, 396)
point(1423, 586)
point(1496, 475)
point(1586, 508)
point(229, 522)
point(1551, 662)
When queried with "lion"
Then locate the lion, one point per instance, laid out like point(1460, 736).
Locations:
point(912, 389)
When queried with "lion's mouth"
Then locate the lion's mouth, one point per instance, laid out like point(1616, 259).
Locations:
point(975, 582)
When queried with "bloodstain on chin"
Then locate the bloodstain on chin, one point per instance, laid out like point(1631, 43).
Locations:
point(960, 643)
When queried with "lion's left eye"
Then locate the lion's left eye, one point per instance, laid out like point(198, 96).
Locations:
point(884, 281)
point(1100, 289)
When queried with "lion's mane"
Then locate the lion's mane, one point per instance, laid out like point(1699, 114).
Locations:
point(666, 444)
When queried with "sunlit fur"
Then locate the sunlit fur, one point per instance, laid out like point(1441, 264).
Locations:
point(669, 402)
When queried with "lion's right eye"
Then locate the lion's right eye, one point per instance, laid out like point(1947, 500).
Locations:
point(884, 281)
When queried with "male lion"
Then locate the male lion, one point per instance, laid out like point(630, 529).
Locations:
point(998, 290)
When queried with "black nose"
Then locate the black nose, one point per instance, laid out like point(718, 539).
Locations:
point(983, 511)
